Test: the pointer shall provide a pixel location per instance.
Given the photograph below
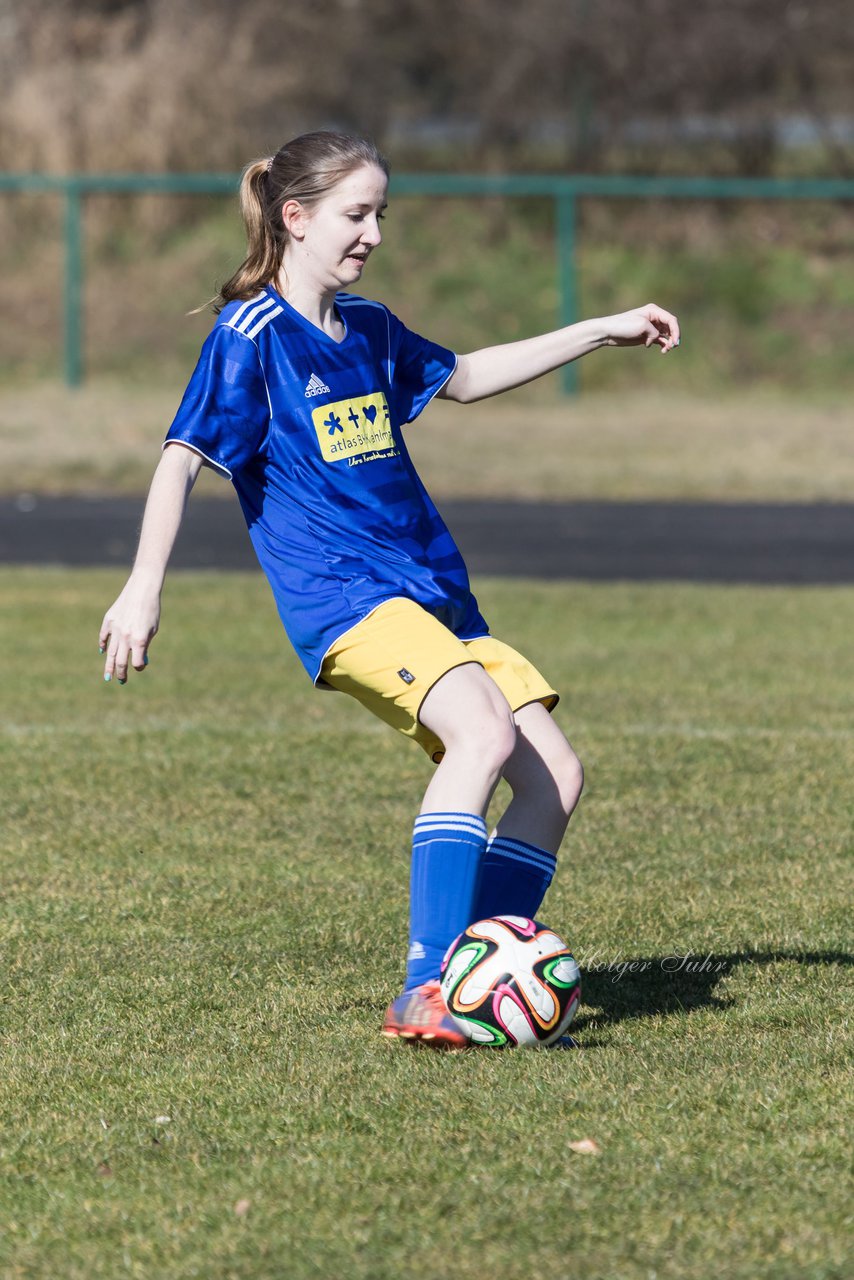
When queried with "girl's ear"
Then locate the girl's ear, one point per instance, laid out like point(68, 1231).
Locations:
point(294, 218)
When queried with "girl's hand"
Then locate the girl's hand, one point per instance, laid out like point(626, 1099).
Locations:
point(648, 326)
point(128, 628)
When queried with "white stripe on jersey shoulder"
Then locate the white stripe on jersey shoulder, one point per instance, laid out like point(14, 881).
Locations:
point(347, 300)
point(241, 310)
point(265, 319)
point(251, 318)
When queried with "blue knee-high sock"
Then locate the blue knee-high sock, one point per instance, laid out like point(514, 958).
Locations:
point(514, 877)
point(447, 849)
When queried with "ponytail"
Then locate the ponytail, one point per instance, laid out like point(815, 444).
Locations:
point(264, 243)
point(306, 170)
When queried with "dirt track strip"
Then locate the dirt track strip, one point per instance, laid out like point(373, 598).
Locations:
point(679, 541)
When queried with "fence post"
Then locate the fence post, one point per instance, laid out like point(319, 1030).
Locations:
point(566, 271)
point(73, 300)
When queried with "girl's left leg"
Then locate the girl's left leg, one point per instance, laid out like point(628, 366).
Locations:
point(546, 778)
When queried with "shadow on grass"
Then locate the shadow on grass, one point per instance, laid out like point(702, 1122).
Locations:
point(647, 987)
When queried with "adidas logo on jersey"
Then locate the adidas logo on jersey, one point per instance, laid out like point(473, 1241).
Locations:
point(315, 387)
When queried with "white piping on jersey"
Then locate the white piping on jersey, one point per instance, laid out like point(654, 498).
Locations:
point(366, 302)
point(212, 463)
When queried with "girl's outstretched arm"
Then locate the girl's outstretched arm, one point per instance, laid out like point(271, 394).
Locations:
point(493, 369)
point(131, 623)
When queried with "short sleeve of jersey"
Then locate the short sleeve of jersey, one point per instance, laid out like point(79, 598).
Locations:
point(225, 413)
point(419, 369)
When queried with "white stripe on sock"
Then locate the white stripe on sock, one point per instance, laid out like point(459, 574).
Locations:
point(451, 816)
point(442, 833)
point(548, 868)
point(516, 851)
point(472, 828)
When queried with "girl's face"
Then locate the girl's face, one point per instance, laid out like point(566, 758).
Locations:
point(330, 242)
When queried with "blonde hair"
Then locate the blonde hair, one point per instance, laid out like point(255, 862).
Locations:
point(305, 169)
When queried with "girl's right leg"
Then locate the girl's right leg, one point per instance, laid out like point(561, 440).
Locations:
point(414, 673)
point(471, 717)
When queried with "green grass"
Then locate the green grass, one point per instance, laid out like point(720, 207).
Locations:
point(204, 914)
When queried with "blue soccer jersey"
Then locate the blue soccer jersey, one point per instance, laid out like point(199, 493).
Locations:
point(309, 431)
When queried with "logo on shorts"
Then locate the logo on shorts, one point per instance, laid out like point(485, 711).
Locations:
point(406, 676)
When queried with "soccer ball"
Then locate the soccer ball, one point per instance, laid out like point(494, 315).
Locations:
point(510, 981)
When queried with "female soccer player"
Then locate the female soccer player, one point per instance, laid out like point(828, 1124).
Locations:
point(300, 397)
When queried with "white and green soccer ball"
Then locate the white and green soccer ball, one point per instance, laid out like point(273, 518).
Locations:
point(509, 982)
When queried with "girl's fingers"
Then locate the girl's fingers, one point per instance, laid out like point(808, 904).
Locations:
point(649, 326)
point(128, 628)
point(667, 326)
point(110, 665)
point(124, 654)
point(121, 665)
point(138, 655)
point(116, 664)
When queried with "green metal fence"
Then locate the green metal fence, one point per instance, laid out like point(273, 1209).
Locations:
point(565, 190)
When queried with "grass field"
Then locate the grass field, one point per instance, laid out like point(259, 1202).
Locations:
point(204, 916)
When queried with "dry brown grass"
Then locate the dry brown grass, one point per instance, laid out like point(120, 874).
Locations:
point(106, 438)
point(624, 445)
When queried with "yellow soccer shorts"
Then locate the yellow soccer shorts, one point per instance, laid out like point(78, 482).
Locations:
point(392, 658)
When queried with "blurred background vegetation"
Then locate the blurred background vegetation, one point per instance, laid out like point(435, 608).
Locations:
point(739, 86)
point(742, 87)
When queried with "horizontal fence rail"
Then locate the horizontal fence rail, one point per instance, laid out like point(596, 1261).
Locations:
point(565, 189)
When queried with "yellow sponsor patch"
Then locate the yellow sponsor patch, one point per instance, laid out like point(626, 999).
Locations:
point(350, 427)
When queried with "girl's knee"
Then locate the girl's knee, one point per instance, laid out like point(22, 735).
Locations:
point(483, 743)
point(503, 736)
point(490, 738)
point(553, 773)
point(471, 716)
point(566, 774)
point(570, 781)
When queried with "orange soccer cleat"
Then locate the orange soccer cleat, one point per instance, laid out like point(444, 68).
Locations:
point(421, 1016)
